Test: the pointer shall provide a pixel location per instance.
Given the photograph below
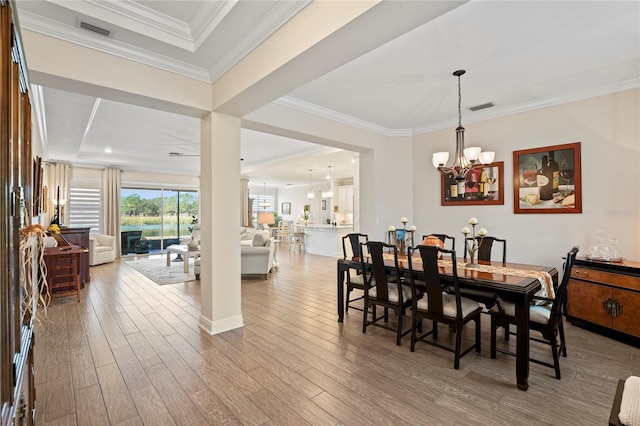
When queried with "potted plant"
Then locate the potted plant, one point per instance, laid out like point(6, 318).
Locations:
point(306, 213)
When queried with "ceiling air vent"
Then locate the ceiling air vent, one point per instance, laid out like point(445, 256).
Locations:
point(482, 106)
point(90, 27)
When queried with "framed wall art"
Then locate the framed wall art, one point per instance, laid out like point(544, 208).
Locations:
point(482, 186)
point(547, 179)
point(286, 208)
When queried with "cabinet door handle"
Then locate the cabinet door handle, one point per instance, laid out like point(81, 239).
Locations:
point(616, 309)
point(612, 307)
point(581, 274)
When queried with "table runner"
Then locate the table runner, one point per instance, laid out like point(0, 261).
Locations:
point(544, 277)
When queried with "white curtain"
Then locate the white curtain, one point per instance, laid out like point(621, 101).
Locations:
point(58, 178)
point(244, 202)
point(110, 209)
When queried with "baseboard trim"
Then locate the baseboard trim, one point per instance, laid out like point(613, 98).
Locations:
point(220, 326)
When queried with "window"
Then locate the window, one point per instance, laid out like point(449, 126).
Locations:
point(159, 215)
point(84, 207)
point(255, 208)
point(259, 199)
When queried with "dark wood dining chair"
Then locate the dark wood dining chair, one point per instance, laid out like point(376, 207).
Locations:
point(437, 305)
point(545, 319)
point(443, 238)
point(385, 287)
point(354, 280)
point(486, 247)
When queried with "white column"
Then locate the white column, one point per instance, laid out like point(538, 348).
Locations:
point(244, 199)
point(356, 194)
point(220, 207)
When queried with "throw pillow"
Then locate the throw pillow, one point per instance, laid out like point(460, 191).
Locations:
point(260, 238)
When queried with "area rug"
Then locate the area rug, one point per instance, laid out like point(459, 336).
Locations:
point(158, 271)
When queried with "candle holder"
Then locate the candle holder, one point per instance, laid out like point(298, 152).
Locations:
point(474, 244)
point(402, 238)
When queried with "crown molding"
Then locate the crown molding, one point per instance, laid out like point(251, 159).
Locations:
point(207, 18)
point(137, 18)
point(608, 89)
point(279, 15)
point(297, 104)
point(48, 27)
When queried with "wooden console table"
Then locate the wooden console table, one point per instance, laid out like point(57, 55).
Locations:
point(606, 295)
point(64, 265)
point(80, 237)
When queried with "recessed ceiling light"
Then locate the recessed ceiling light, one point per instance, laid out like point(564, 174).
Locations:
point(108, 150)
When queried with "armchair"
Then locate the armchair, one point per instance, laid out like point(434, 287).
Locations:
point(102, 249)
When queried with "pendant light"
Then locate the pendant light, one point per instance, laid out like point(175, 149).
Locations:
point(465, 159)
point(310, 194)
point(264, 203)
point(329, 193)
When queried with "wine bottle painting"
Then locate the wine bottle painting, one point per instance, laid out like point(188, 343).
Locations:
point(482, 185)
point(547, 180)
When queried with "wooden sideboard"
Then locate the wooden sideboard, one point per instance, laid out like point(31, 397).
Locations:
point(606, 295)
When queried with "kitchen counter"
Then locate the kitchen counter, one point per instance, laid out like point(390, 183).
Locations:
point(325, 240)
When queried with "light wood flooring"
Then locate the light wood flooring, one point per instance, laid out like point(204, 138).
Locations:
point(131, 353)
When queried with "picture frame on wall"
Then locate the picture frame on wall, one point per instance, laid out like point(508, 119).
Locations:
point(547, 179)
point(482, 186)
point(324, 204)
point(286, 208)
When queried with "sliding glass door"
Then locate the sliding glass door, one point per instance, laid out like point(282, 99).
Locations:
point(152, 219)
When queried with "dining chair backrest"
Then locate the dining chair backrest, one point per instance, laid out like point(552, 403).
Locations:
point(486, 247)
point(443, 238)
point(378, 270)
point(430, 276)
point(354, 240)
point(561, 291)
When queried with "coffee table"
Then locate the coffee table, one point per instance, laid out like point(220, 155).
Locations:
point(184, 251)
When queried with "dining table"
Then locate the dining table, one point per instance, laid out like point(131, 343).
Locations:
point(512, 282)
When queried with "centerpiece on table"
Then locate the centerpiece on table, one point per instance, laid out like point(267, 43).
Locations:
point(473, 243)
point(402, 238)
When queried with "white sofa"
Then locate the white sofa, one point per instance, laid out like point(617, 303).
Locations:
point(256, 258)
point(257, 252)
point(102, 249)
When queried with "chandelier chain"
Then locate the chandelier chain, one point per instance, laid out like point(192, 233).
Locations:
point(459, 104)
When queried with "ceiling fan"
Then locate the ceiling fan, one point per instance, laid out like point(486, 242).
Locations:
point(189, 153)
point(181, 154)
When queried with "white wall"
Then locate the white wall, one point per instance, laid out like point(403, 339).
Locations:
point(297, 196)
point(607, 127)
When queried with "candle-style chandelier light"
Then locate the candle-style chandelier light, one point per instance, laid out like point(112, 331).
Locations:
point(465, 158)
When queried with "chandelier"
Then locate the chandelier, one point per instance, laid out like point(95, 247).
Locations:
point(264, 203)
point(465, 158)
point(310, 195)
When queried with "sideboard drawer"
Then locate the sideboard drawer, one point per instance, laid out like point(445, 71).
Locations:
point(608, 278)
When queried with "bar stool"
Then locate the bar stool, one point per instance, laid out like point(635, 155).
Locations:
point(297, 238)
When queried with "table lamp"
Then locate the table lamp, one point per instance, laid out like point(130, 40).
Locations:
point(266, 218)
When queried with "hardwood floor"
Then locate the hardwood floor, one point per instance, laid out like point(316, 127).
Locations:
point(131, 353)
